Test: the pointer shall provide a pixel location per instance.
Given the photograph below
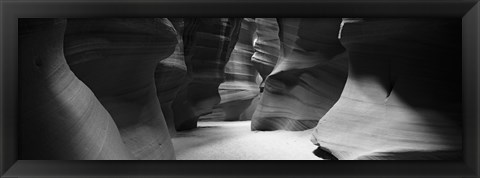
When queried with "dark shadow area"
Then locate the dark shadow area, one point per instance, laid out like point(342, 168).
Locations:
point(324, 154)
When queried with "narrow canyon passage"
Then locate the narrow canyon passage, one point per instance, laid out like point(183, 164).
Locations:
point(240, 89)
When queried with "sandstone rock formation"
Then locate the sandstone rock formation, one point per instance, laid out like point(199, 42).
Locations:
point(266, 53)
point(307, 79)
point(266, 45)
point(116, 58)
point(402, 99)
point(170, 75)
point(240, 85)
point(208, 43)
point(61, 118)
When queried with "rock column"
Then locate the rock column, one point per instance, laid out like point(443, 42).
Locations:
point(117, 59)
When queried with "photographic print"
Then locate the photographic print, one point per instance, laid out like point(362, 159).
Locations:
point(240, 88)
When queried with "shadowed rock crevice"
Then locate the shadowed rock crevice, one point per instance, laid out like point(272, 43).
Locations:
point(208, 45)
point(170, 75)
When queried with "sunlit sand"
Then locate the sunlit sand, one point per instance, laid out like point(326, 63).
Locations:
point(234, 141)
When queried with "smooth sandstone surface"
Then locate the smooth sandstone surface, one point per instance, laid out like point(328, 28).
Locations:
point(308, 77)
point(402, 99)
point(117, 58)
point(61, 119)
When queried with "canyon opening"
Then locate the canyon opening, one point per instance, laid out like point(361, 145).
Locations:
point(240, 89)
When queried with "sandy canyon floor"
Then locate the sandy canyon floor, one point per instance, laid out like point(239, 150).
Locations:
point(235, 141)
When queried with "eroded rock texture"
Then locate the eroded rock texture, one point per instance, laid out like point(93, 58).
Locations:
point(266, 45)
point(307, 79)
point(116, 58)
point(402, 99)
point(208, 43)
point(170, 75)
point(240, 85)
point(61, 118)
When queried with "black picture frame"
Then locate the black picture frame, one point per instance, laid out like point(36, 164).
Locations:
point(11, 10)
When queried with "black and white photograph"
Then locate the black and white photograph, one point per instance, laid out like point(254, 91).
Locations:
point(252, 88)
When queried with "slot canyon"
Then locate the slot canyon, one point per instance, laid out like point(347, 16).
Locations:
point(240, 89)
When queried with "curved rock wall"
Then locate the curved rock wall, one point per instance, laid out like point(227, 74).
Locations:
point(307, 79)
point(240, 85)
point(208, 44)
point(60, 117)
point(266, 45)
point(170, 75)
point(116, 58)
point(402, 99)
